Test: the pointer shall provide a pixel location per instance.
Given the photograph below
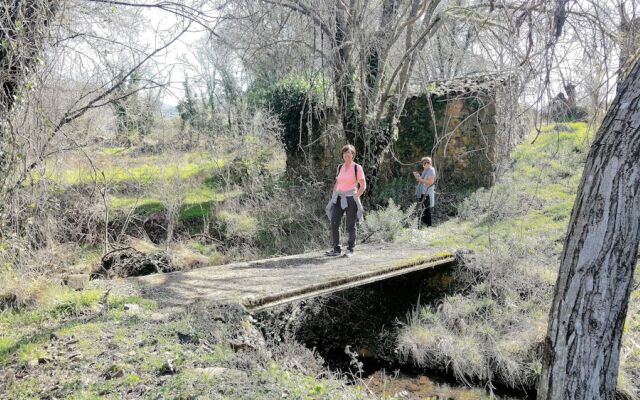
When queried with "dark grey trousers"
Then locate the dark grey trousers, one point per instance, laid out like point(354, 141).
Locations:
point(426, 210)
point(336, 218)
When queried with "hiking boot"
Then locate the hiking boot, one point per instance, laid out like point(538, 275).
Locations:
point(333, 253)
point(348, 253)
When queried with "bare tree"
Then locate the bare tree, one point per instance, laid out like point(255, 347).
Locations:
point(369, 51)
point(374, 54)
point(62, 88)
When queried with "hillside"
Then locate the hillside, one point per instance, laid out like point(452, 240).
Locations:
point(61, 343)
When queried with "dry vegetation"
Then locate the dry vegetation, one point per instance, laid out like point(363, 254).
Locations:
point(492, 332)
point(92, 173)
point(226, 199)
point(488, 334)
point(85, 345)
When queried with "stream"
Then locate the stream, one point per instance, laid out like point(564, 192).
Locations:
point(354, 331)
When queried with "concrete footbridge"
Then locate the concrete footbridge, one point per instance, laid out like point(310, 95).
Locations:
point(263, 284)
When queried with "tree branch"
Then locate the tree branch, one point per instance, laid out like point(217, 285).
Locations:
point(71, 115)
point(303, 9)
point(182, 10)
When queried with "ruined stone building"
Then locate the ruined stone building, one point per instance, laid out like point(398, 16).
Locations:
point(457, 122)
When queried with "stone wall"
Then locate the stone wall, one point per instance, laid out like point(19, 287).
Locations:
point(462, 141)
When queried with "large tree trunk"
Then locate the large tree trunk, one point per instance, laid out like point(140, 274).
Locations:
point(343, 74)
point(582, 347)
point(629, 33)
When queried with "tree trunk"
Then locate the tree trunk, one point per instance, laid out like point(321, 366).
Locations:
point(629, 32)
point(24, 26)
point(582, 347)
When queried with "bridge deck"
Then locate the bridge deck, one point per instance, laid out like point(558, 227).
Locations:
point(265, 283)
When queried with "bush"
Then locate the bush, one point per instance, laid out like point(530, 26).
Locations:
point(386, 224)
point(494, 330)
point(291, 219)
point(499, 203)
point(239, 225)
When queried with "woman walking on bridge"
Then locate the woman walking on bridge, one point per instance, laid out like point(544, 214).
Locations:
point(345, 198)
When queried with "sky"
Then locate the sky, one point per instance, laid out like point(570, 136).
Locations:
point(178, 55)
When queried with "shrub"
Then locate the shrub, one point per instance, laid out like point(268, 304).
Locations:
point(386, 224)
point(239, 225)
point(291, 219)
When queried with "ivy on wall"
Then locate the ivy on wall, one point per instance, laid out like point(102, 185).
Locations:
point(296, 102)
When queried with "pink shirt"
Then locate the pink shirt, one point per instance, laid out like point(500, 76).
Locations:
point(346, 179)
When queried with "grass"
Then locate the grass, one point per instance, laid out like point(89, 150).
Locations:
point(120, 353)
point(489, 333)
point(143, 185)
point(121, 166)
point(240, 224)
point(66, 344)
point(534, 198)
point(71, 303)
point(197, 202)
point(116, 165)
point(115, 151)
point(492, 331)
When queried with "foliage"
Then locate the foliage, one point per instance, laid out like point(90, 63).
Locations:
point(401, 189)
point(386, 224)
point(291, 220)
point(416, 137)
point(260, 93)
point(295, 101)
point(134, 115)
point(238, 225)
point(187, 108)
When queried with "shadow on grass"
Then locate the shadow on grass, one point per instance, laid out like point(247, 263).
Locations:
point(43, 335)
point(196, 211)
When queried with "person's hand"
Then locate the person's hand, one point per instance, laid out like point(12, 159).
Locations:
point(416, 175)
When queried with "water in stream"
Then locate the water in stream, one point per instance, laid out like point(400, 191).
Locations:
point(393, 380)
point(401, 385)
